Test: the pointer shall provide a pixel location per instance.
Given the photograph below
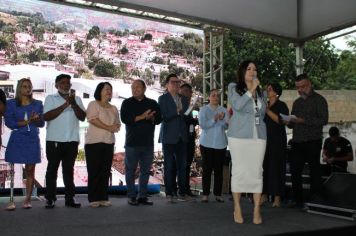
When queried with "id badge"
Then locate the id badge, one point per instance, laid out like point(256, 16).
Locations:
point(257, 120)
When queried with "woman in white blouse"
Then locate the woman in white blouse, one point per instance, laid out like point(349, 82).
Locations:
point(104, 122)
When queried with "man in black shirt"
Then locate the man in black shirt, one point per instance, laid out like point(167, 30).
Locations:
point(337, 151)
point(140, 115)
point(310, 112)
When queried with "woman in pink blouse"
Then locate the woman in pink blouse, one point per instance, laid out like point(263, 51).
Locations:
point(104, 122)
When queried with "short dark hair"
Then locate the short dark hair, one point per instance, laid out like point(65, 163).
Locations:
point(141, 81)
point(168, 78)
point(99, 88)
point(186, 85)
point(301, 77)
point(334, 131)
point(277, 88)
point(213, 90)
point(62, 76)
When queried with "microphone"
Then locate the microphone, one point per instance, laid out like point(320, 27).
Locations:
point(258, 88)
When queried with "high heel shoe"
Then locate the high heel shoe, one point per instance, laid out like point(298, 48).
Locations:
point(238, 218)
point(11, 206)
point(257, 218)
point(277, 201)
point(27, 205)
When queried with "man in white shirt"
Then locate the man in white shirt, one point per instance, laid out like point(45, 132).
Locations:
point(62, 111)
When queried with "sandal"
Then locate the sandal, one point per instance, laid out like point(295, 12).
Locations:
point(11, 206)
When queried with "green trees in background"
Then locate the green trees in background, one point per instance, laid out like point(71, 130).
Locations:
point(344, 76)
point(189, 46)
point(276, 58)
point(94, 32)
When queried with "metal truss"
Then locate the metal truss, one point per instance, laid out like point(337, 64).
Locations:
point(213, 62)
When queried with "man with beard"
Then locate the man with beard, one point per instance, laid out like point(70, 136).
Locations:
point(310, 112)
point(62, 111)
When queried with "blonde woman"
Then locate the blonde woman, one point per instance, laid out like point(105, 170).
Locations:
point(24, 116)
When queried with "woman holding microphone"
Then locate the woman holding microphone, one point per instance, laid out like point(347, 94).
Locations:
point(247, 138)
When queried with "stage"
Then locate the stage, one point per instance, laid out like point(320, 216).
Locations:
point(181, 218)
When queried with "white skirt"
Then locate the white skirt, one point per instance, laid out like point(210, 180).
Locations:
point(247, 164)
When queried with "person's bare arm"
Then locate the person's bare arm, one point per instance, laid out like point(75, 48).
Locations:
point(53, 114)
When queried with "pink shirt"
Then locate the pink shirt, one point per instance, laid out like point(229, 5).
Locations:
point(108, 116)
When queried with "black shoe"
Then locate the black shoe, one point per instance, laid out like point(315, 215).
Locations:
point(190, 194)
point(50, 204)
point(132, 201)
point(219, 199)
point(144, 201)
point(72, 203)
point(293, 204)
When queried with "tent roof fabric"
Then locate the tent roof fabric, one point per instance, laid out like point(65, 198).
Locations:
point(294, 20)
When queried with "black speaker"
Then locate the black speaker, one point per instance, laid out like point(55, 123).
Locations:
point(339, 190)
point(337, 198)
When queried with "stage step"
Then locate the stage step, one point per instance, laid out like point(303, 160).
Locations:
point(337, 212)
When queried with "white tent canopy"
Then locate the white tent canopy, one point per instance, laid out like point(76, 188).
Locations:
point(294, 20)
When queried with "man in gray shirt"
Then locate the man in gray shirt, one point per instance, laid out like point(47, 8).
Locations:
point(311, 112)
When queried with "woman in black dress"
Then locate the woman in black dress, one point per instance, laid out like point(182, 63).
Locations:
point(274, 164)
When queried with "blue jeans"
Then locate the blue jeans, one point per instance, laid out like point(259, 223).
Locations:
point(175, 153)
point(133, 157)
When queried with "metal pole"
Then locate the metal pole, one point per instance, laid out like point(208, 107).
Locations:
point(299, 63)
point(11, 206)
point(222, 69)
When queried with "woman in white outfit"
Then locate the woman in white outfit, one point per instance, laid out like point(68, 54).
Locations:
point(247, 138)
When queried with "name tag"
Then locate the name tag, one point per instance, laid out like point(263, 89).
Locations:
point(257, 120)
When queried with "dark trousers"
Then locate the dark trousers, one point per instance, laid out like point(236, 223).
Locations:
point(134, 156)
point(175, 154)
point(57, 152)
point(190, 157)
point(213, 160)
point(99, 160)
point(301, 153)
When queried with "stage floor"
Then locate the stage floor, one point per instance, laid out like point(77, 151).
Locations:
point(182, 218)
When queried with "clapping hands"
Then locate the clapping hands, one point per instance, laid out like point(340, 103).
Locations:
point(148, 115)
point(71, 99)
point(219, 116)
point(35, 117)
